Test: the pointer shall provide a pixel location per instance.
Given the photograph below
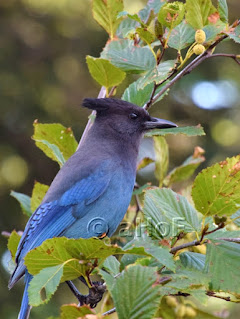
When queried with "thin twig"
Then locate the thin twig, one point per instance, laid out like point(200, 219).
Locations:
point(109, 312)
point(192, 65)
point(186, 245)
point(232, 56)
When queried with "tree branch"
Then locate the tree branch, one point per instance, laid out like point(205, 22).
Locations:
point(109, 312)
point(232, 56)
point(192, 65)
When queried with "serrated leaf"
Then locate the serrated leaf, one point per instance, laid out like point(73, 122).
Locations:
point(181, 36)
point(134, 17)
point(55, 140)
point(157, 75)
point(140, 97)
point(44, 285)
point(13, 242)
point(223, 10)
point(112, 265)
point(38, 193)
point(72, 311)
point(198, 11)
point(162, 158)
point(193, 260)
point(186, 169)
point(25, 202)
point(126, 27)
point(108, 278)
point(171, 14)
point(235, 34)
point(216, 188)
point(152, 5)
point(75, 254)
point(134, 289)
point(105, 12)
point(128, 57)
point(167, 213)
point(161, 254)
point(222, 263)
point(186, 281)
point(105, 73)
point(187, 130)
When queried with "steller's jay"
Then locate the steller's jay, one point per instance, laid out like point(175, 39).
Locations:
point(91, 193)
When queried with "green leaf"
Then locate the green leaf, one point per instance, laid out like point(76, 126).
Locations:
point(235, 34)
point(44, 285)
point(126, 27)
point(138, 191)
point(25, 202)
point(223, 233)
point(171, 14)
point(237, 216)
point(161, 254)
point(75, 254)
point(181, 36)
point(186, 169)
point(74, 312)
point(167, 213)
point(108, 278)
point(55, 140)
point(157, 75)
point(134, 289)
point(13, 242)
point(213, 30)
point(222, 263)
point(140, 97)
point(112, 265)
point(216, 188)
point(152, 5)
point(134, 17)
point(128, 57)
point(145, 35)
point(162, 158)
point(38, 193)
point(223, 10)
point(104, 72)
point(144, 162)
point(186, 281)
point(187, 130)
point(105, 12)
point(193, 260)
point(198, 11)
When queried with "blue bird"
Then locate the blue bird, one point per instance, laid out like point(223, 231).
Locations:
point(91, 193)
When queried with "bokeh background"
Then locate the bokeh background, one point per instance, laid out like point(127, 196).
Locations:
point(43, 75)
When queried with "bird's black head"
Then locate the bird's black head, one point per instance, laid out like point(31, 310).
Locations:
point(124, 117)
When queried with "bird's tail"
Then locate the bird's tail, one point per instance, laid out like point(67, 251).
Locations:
point(25, 307)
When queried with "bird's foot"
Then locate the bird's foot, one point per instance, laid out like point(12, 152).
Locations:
point(95, 294)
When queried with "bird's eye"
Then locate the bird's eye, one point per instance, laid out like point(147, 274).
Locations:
point(133, 116)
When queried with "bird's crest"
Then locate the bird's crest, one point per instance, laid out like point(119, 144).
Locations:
point(106, 104)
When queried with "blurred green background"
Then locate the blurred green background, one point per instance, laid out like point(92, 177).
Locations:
point(43, 75)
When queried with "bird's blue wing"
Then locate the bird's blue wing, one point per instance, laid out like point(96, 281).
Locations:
point(52, 219)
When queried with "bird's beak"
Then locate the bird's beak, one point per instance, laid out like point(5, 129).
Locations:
point(158, 123)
